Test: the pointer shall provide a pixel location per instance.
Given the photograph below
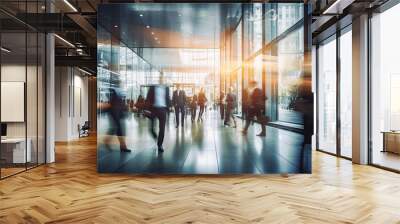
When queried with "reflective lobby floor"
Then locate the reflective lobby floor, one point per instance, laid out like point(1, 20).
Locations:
point(204, 148)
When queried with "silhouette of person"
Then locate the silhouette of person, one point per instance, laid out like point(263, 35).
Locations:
point(222, 104)
point(193, 107)
point(201, 100)
point(140, 104)
point(255, 107)
point(231, 104)
point(117, 110)
point(304, 105)
point(245, 103)
point(179, 101)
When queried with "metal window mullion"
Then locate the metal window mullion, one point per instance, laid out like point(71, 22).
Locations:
point(317, 97)
point(369, 100)
point(26, 87)
point(242, 56)
point(37, 93)
point(338, 94)
point(263, 68)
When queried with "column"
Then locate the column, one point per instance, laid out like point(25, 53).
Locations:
point(360, 90)
point(50, 98)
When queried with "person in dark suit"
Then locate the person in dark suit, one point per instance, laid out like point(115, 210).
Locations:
point(158, 102)
point(255, 107)
point(179, 101)
point(201, 99)
point(231, 104)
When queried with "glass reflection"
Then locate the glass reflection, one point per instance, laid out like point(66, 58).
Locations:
point(290, 69)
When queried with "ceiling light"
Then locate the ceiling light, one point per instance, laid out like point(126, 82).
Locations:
point(152, 33)
point(115, 26)
point(5, 50)
point(65, 41)
point(148, 27)
point(70, 5)
point(141, 15)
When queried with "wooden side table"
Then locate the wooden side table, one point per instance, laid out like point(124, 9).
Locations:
point(391, 141)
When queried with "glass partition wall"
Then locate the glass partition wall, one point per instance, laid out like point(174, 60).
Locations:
point(123, 70)
point(346, 93)
point(334, 94)
point(385, 89)
point(290, 66)
point(327, 84)
point(272, 54)
point(22, 77)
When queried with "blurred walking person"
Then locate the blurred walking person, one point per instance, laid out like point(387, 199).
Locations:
point(140, 104)
point(158, 102)
point(202, 100)
point(117, 110)
point(304, 105)
point(245, 103)
point(222, 104)
point(179, 101)
point(231, 104)
point(255, 108)
point(193, 107)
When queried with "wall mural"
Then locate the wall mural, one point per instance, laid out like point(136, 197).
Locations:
point(204, 88)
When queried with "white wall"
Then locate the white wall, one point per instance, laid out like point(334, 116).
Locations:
point(71, 103)
point(62, 98)
point(80, 110)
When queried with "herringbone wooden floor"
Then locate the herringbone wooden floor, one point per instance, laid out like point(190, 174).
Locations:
point(71, 191)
